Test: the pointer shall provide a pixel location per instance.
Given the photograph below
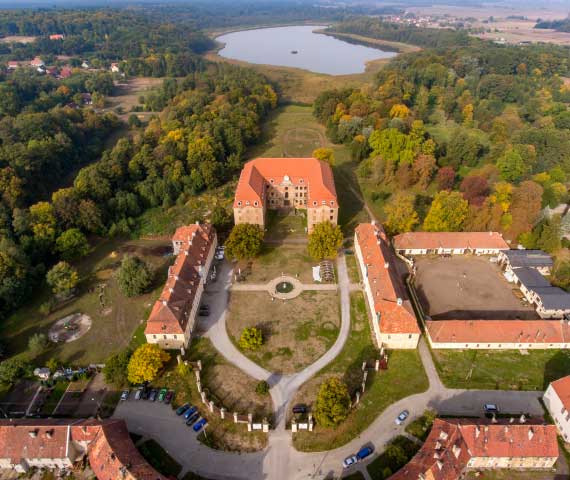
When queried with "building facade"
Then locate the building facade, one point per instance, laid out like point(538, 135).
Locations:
point(557, 401)
point(393, 318)
point(173, 315)
point(449, 243)
point(286, 184)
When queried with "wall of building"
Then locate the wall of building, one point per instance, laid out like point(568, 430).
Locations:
point(558, 412)
point(533, 463)
point(322, 213)
point(400, 340)
point(249, 214)
point(494, 346)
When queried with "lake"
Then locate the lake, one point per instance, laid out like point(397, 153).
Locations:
point(315, 52)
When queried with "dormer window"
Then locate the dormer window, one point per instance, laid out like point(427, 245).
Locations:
point(239, 203)
point(314, 203)
point(324, 202)
point(301, 180)
point(332, 203)
point(247, 202)
point(271, 180)
point(256, 203)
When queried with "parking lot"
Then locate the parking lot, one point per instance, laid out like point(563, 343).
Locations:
point(467, 288)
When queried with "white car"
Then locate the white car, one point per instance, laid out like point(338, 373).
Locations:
point(349, 461)
point(402, 417)
point(125, 395)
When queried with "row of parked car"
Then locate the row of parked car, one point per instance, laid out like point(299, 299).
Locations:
point(191, 416)
point(144, 392)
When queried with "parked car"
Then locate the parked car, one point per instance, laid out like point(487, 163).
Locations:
point(364, 452)
point(402, 417)
point(191, 411)
point(125, 395)
point(349, 461)
point(192, 419)
point(201, 423)
point(169, 397)
point(162, 394)
point(138, 393)
point(300, 408)
point(204, 311)
point(182, 409)
point(145, 393)
point(491, 408)
point(153, 395)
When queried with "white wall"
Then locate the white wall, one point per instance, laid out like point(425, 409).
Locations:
point(558, 412)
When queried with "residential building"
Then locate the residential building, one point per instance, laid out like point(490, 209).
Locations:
point(13, 64)
point(37, 62)
point(115, 68)
point(393, 318)
point(452, 243)
point(286, 184)
point(62, 443)
point(56, 36)
point(557, 401)
point(537, 259)
point(65, 72)
point(456, 446)
point(173, 315)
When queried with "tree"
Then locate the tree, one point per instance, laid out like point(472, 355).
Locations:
point(325, 240)
point(115, 370)
point(401, 215)
point(72, 244)
point(38, 343)
point(399, 111)
point(512, 166)
point(423, 169)
point(245, 241)
point(526, 204)
point(446, 178)
point(134, 121)
point(333, 403)
point(11, 370)
point(135, 276)
point(62, 278)
point(324, 154)
point(52, 364)
point(145, 363)
point(447, 212)
point(251, 338)
point(475, 189)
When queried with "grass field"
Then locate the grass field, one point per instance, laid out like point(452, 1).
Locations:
point(421, 426)
point(501, 369)
point(295, 332)
point(404, 377)
point(113, 323)
point(352, 267)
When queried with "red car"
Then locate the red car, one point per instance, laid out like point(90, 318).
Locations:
point(169, 396)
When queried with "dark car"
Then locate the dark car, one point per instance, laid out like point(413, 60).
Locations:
point(169, 397)
point(300, 408)
point(145, 394)
point(364, 452)
point(201, 423)
point(192, 419)
point(191, 411)
point(153, 395)
point(182, 409)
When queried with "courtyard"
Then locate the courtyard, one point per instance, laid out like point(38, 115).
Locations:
point(467, 288)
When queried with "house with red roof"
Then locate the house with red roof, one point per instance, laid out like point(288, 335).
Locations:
point(393, 318)
point(557, 401)
point(56, 444)
point(286, 184)
point(37, 62)
point(56, 36)
point(452, 243)
point(456, 446)
point(173, 315)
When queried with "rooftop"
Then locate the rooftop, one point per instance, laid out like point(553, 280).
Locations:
point(562, 389)
point(529, 258)
point(531, 277)
point(553, 298)
point(449, 240)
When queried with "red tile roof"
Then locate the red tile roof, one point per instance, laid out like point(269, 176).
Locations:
point(390, 298)
point(315, 174)
point(169, 314)
point(435, 240)
point(498, 331)
point(562, 389)
point(452, 443)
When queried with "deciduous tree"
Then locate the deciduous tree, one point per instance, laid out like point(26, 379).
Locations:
point(146, 363)
point(447, 213)
point(135, 276)
point(333, 403)
point(401, 215)
point(325, 154)
point(62, 278)
point(245, 241)
point(72, 244)
point(325, 240)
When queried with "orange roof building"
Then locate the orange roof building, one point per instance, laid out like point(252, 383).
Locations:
point(455, 446)
point(557, 401)
point(457, 243)
point(61, 443)
point(286, 184)
point(173, 315)
point(394, 321)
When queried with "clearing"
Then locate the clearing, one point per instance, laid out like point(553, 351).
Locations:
point(125, 96)
point(17, 39)
point(405, 376)
point(295, 332)
point(467, 288)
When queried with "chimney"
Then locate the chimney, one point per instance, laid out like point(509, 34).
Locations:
point(373, 222)
point(477, 431)
point(49, 434)
point(522, 419)
point(506, 429)
point(164, 302)
point(439, 464)
point(443, 435)
point(197, 222)
point(530, 433)
point(33, 433)
point(399, 301)
point(171, 290)
point(456, 451)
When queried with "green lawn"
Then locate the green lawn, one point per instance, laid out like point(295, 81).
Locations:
point(352, 267)
point(421, 426)
point(501, 369)
point(404, 377)
point(392, 459)
point(159, 458)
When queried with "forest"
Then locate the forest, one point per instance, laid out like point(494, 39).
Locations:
point(461, 138)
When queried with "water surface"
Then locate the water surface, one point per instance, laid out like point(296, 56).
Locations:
point(315, 52)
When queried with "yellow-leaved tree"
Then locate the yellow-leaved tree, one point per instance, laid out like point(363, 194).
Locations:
point(146, 362)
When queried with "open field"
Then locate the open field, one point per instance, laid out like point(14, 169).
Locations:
point(126, 96)
point(467, 288)
point(295, 332)
point(281, 135)
point(114, 321)
point(501, 369)
point(405, 376)
point(17, 39)
point(282, 226)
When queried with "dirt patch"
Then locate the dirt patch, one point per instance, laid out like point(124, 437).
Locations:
point(70, 328)
point(467, 288)
point(296, 332)
point(17, 39)
point(300, 140)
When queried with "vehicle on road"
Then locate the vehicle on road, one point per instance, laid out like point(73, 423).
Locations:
point(300, 408)
point(145, 393)
point(364, 452)
point(201, 423)
point(192, 419)
point(124, 395)
point(204, 310)
point(182, 409)
point(153, 395)
point(349, 461)
point(169, 397)
point(491, 408)
point(138, 393)
point(162, 394)
point(190, 412)
point(402, 417)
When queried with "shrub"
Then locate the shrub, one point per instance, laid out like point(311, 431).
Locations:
point(38, 343)
point(135, 276)
point(62, 278)
point(262, 388)
point(251, 338)
point(115, 370)
point(12, 369)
